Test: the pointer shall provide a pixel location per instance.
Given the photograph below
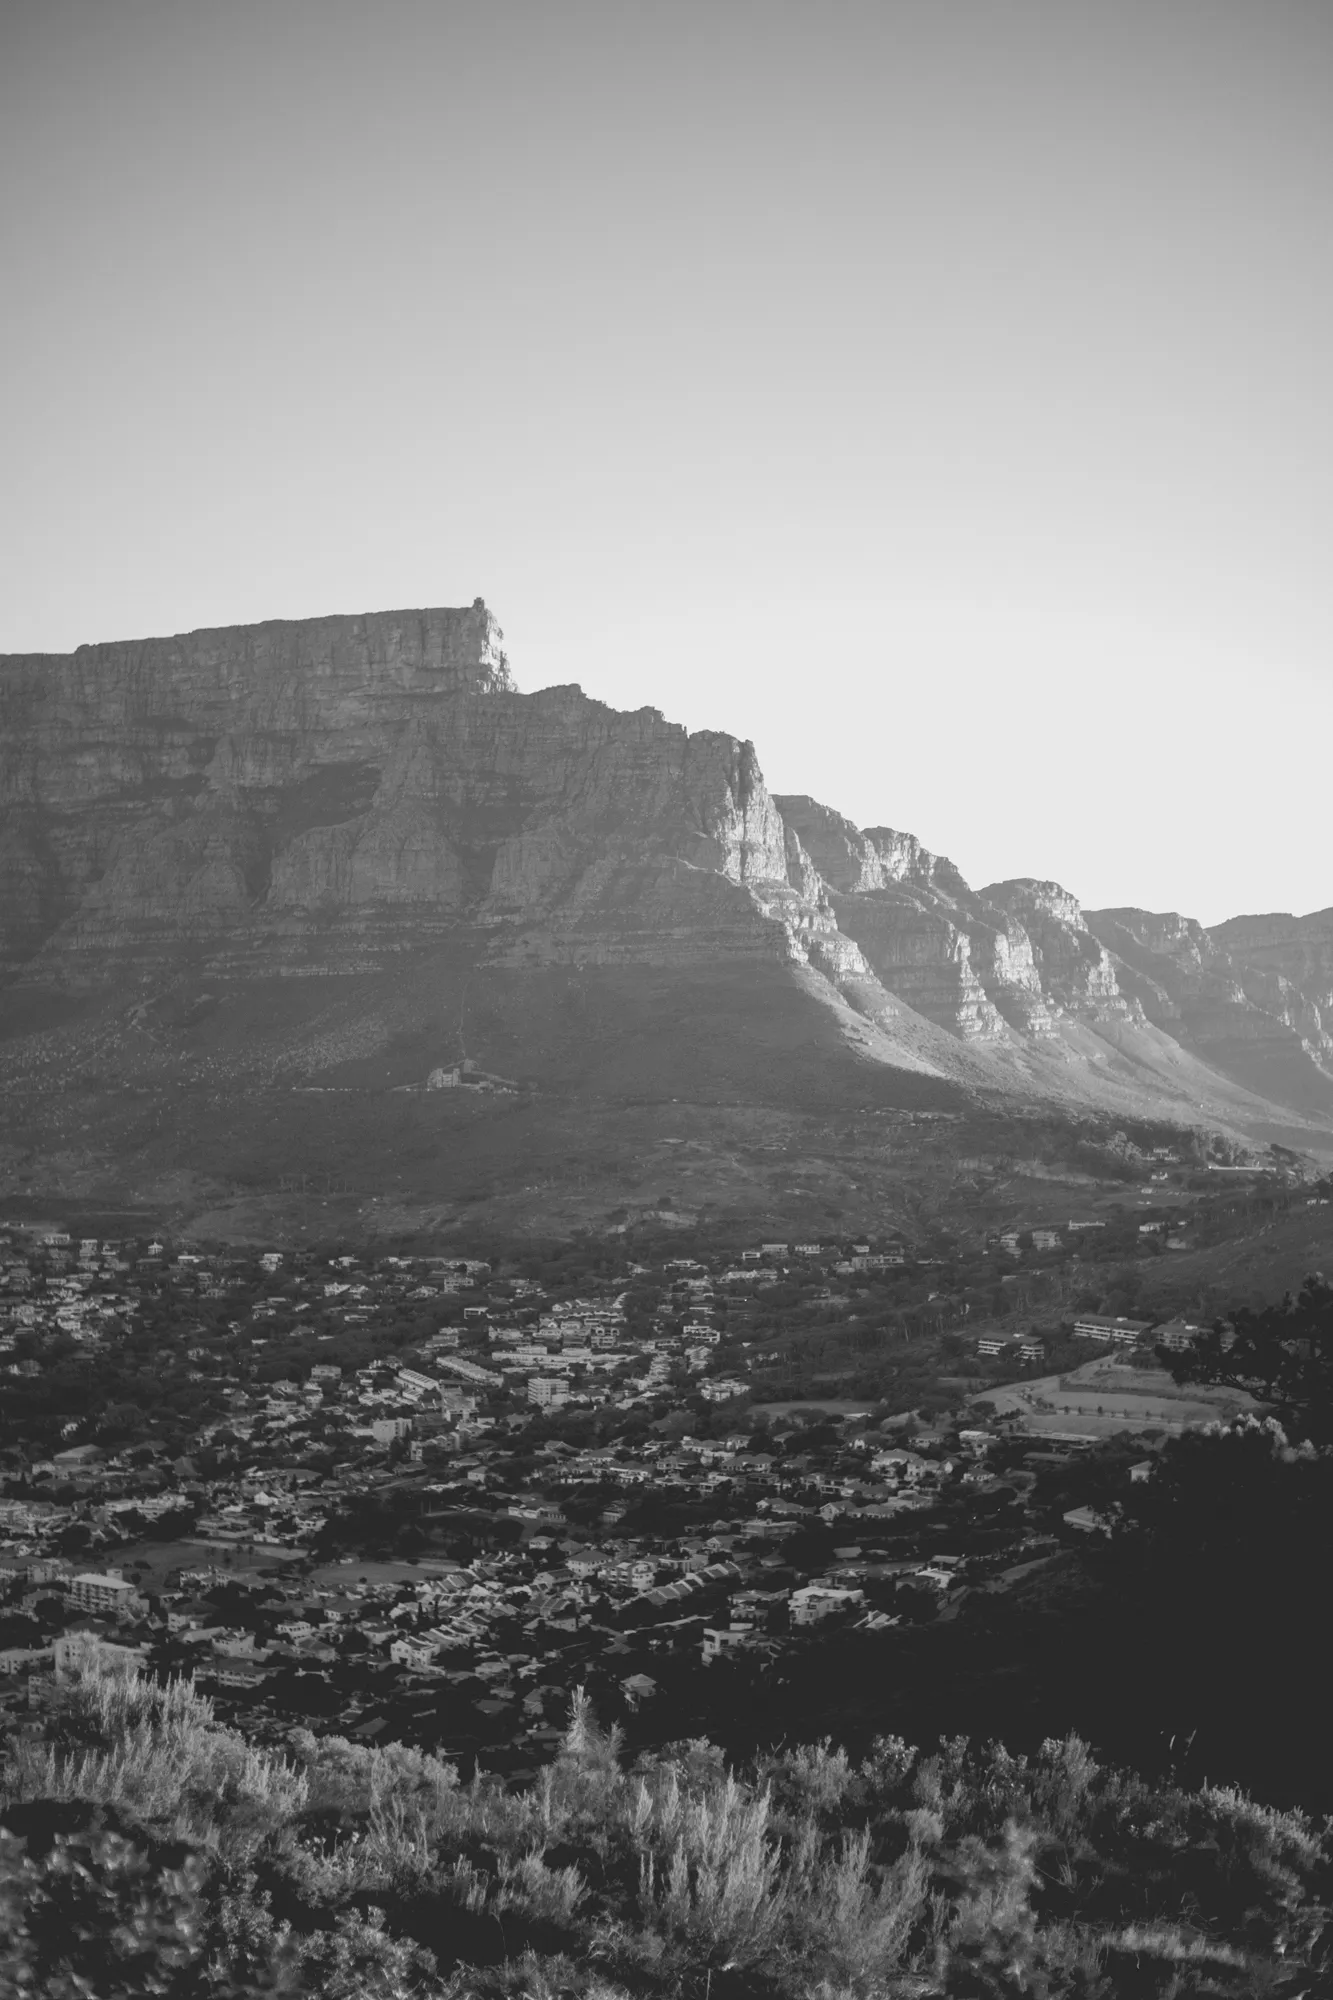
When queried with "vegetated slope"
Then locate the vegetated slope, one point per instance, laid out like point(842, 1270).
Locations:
point(146, 1849)
point(344, 853)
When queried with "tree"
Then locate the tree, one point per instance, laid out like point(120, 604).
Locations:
point(1281, 1354)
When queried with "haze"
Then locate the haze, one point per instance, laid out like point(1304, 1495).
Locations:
point(936, 394)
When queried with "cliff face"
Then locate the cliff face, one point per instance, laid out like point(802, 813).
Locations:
point(186, 822)
point(329, 786)
point(154, 787)
point(1287, 962)
point(1076, 972)
point(1254, 996)
point(1009, 960)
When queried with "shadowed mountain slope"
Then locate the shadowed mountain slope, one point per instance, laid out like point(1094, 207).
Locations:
point(346, 856)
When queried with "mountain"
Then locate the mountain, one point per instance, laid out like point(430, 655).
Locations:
point(259, 885)
point(1253, 997)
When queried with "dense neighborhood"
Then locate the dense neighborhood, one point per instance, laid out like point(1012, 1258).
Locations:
point(424, 1497)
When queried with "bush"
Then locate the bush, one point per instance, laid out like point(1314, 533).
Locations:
point(145, 1849)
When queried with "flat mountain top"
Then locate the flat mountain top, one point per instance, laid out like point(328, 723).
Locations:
point(334, 897)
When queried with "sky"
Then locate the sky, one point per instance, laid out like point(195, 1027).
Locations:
point(936, 394)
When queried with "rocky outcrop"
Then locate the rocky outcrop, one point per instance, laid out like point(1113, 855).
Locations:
point(337, 798)
point(1255, 996)
point(1286, 963)
point(1075, 969)
point(904, 907)
point(952, 954)
point(148, 789)
point(316, 797)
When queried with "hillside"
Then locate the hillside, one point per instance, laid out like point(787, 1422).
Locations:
point(259, 886)
point(147, 1849)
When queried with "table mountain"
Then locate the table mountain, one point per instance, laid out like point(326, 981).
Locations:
point(345, 854)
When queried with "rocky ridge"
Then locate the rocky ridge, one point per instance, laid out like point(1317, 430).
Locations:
point(335, 799)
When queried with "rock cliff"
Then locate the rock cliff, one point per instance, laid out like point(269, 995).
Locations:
point(1253, 996)
point(1286, 965)
point(1075, 970)
point(261, 854)
point(337, 787)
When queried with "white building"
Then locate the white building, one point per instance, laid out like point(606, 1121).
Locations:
point(816, 1601)
point(93, 1591)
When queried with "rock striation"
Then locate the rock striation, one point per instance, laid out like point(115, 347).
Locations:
point(343, 784)
point(338, 798)
point(1076, 971)
point(1286, 967)
point(1253, 996)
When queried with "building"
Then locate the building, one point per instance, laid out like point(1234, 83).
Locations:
point(1178, 1334)
point(1016, 1348)
point(546, 1391)
point(720, 1641)
point(415, 1383)
point(722, 1388)
point(416, 1650)
point(939, 1575)
point(470, 1372)
point(387, 1430)
point(78, 1652)
point(93, 1591)
point(1120, 1331)
point(815, 1602)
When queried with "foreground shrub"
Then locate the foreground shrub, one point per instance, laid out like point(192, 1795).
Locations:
point(146, 1849)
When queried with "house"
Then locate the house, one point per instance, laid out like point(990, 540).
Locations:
point(721, 1641)
point(940, 1575)
point(900, 1464)
point(15, 1659)
point(1178, 1334)
point(815, 1602)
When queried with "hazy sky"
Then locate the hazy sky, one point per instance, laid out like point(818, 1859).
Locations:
point(937, 393)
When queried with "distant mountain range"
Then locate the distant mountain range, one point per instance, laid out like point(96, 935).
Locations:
point(340, 853)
